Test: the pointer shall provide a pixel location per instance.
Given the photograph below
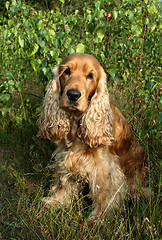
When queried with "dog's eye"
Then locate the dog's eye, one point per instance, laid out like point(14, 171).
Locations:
point(67, 71)
point(90, 76)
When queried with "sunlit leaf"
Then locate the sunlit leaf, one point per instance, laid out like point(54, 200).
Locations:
point(152, 8)
point(131, 17)
point(115, 14)
point(137, 29)
point(4, 111)
point(7, 5)
point(103, 57)
point(80, 48)
point(4, 97)
point(124, 77)
point(11, 83)
point(21, 41)
point(153, 26)
point(101, 34)
point(35, 49)
point(35, 64)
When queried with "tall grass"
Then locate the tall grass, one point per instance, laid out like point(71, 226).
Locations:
point(25, 180)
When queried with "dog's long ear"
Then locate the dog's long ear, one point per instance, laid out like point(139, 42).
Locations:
point(53, 122)
point(96, 124)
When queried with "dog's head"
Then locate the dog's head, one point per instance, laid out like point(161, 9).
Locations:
point(79, 75)
point(78, 89)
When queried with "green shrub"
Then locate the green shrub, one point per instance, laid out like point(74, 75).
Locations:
point(124, 36)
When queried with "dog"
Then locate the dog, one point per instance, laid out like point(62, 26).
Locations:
point(96, 144)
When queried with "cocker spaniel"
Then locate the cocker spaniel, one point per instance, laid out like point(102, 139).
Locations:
point(95, 142)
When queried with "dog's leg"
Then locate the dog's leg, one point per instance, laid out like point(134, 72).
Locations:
point(108, 188)
point(62, 193)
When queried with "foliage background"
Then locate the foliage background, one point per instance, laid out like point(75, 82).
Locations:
point(35, 36)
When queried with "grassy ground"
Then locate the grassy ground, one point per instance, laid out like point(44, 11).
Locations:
point(25, 180)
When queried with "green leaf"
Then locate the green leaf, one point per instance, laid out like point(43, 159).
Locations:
point(153, 26)
point(9, 76)
point(11, 89)
point(21, 41)
point(48, 55)
point(115, 14)
point(97, 5)
point(89, 17)
point(52, 33)
point(17, 84)
point(71, 50)
point(14, 2)
point(56, 43)
point(112, 73)
point(7, 5)
point(35, 49)
point(4, 97)
point(38, 110)
point(67, 28)
point(103, 57)
point(91, 27)
point(116, 80)
point(137, 29)
point(35, 64)
point(76, 12)
point(80, 48)
point(58, 60)
point(160, 118)
point(10, 23)
point(62, 1)
point(161, 99)
point(152, 8)
point(44, 63)
point(18, 120)
point(124, 78)
point(11, 83)
point(101, 34)
point(52, 53)
point(4, 111)
point(41, 43)
point(45, 70)
point(13, 9)
point(131, 17)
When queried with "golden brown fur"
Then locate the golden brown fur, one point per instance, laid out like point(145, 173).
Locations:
point(95, 142)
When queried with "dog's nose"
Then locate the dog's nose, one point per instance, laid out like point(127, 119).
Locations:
point(73, 95)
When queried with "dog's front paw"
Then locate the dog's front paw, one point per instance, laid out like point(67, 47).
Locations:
point(50, 202)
